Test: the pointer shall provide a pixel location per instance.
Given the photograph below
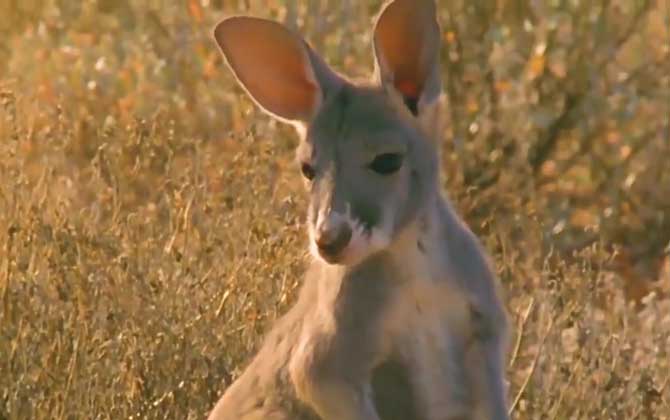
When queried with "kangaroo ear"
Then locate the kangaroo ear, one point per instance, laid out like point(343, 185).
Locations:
point(407, 50)
point(273, 65)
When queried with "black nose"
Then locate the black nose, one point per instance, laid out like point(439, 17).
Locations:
point(332, 241)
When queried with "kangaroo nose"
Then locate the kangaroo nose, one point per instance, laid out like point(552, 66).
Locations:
point(331, 240)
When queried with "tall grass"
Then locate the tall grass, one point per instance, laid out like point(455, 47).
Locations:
point(151, 219)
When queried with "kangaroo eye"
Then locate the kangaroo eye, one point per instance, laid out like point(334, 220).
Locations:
point(387, 163)
point(308, 171)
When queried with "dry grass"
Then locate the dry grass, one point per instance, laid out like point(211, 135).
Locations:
point(151, 219)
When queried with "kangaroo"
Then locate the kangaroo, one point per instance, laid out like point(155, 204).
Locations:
point(399, 316)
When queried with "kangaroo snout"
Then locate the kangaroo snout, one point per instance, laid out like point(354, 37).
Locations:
point(332, 237)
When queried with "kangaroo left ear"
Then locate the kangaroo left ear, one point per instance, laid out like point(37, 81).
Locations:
point(273, 65)
point(407, 51)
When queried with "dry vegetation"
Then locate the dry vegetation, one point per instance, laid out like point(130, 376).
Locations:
point(151, 217)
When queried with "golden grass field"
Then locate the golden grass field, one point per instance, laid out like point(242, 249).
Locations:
point(151, 217)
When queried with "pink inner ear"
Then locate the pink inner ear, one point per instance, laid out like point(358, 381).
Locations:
point(272, 64)
point(408, 88)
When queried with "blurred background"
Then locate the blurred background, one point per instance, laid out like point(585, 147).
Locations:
point(151, 217)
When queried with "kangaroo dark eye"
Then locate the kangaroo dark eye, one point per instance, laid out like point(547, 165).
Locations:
point(387, 163)
point(308, 171)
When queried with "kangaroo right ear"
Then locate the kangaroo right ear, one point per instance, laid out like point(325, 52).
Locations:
point(273, 65)
point(407, 49)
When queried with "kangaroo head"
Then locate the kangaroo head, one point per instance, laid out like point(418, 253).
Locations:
point(368, 159)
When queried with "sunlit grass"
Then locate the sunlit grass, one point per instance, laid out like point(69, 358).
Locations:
point(151, 217)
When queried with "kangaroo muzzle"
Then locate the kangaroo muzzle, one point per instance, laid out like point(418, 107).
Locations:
point(333, 234)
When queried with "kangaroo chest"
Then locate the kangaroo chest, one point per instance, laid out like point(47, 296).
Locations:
point(427, 306)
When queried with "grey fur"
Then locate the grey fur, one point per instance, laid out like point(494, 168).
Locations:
point(409, 325)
